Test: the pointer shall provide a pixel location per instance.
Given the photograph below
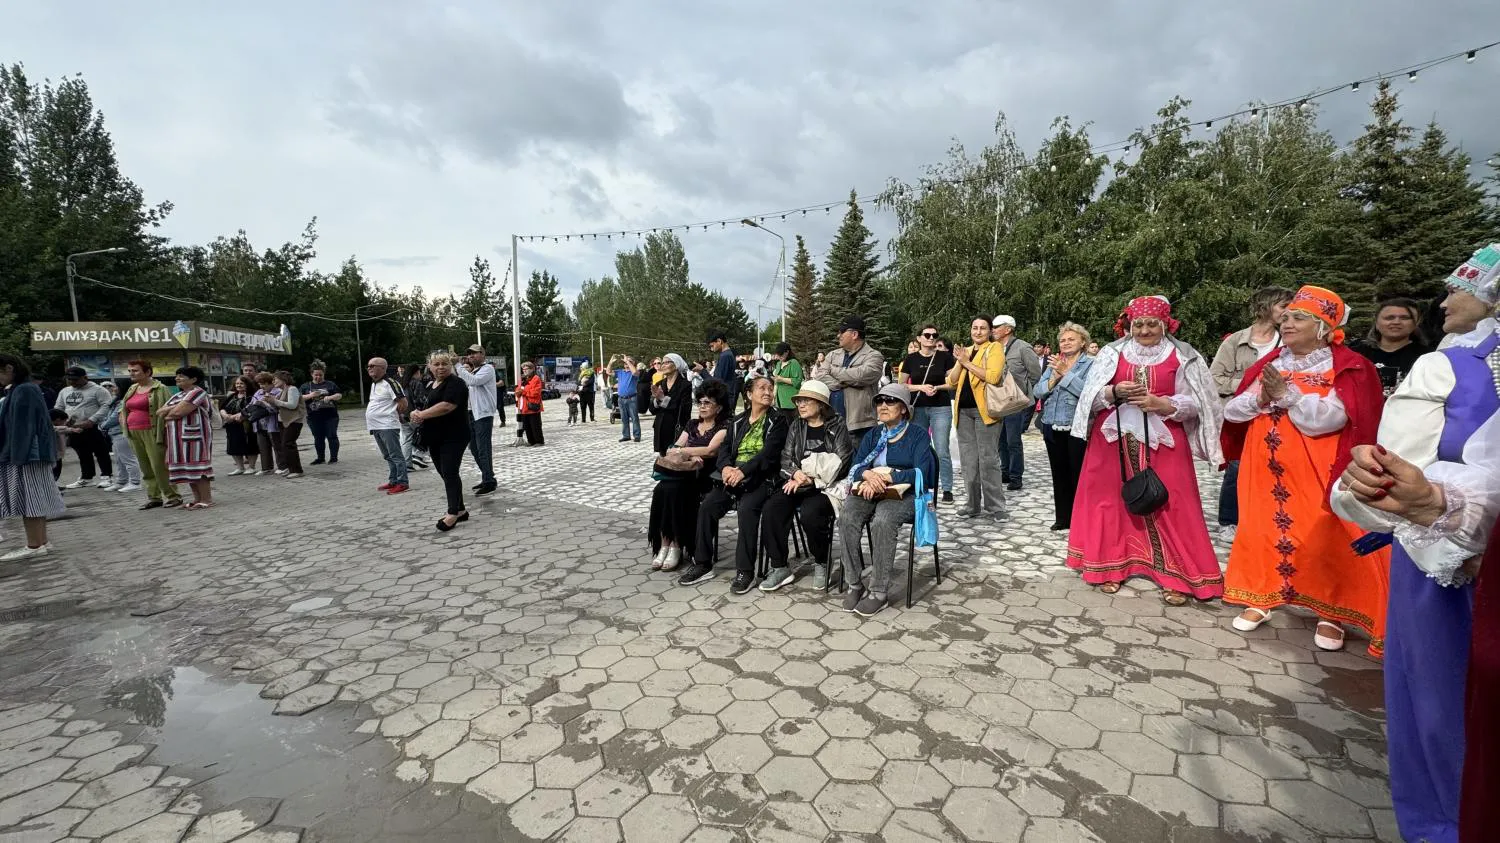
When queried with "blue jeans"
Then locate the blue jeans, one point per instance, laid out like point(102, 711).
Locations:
point(325, 431)
point(1012, 459)
point(481, 446)
point(630, 417)
point(389, 443)
point(938, 421)
point(1229, 495)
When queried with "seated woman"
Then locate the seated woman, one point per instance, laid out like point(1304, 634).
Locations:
point(1291, 424)
point(747, 466)
point(685, 479)
point(817, 455)
point(885, 469)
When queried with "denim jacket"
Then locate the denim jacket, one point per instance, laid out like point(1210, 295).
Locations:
point(1059, 403)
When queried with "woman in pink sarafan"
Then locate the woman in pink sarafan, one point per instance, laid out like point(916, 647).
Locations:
point(1148, 387)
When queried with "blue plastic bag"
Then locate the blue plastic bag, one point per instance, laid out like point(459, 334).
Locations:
point(925, 526)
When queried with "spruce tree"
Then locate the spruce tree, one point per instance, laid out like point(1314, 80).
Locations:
point(804, 328)
point(1381, 186)
point(1448, 219)
point(850, 280)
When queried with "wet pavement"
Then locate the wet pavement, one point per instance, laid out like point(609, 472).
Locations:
point(311, 661)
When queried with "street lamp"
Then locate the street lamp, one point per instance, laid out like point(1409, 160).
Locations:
point(73, 270)
point(780, 269)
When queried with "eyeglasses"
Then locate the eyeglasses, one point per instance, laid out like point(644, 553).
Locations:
point(707, 402)
point(929, 335)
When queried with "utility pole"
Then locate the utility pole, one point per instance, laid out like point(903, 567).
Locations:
point(73, 272)
point(515, 307)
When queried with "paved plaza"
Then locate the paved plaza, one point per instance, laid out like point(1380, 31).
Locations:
point(312, 661)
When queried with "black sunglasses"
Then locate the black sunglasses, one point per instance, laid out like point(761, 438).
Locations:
point(929, 335)
point(887, 399)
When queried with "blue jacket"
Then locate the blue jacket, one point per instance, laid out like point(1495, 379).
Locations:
point(26, 433)
point(724, 368)
point(1059, 403)
point(912, 451)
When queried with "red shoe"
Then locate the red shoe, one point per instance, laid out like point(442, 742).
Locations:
point(383, 487)
point(398, 489)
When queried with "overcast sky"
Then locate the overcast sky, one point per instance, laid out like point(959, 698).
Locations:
point(421, 134)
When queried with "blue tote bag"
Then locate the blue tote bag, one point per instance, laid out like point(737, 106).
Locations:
point(925, 526)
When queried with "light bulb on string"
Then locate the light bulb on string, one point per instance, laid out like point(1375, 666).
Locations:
point(1469, 56)
point(1412, 76)
point(1354, 87)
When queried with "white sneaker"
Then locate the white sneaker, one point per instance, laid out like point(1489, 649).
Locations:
point(76, 484)
point(129, 487)
point(674, 558)
point(237, 472)
point(283, 471)
point(105, 482)
point(26, 553)
point(292, 475)
point(262, 471)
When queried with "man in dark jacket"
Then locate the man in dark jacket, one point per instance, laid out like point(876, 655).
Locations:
point(724, 371)
point(748, 465)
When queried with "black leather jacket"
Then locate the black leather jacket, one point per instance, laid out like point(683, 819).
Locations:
point(763, 466)
point(796, 442)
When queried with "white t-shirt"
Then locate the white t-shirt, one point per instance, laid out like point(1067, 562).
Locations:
point(380, 413)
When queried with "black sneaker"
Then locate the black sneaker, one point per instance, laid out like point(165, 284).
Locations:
point(332, 460)
point(485, 489)
point(852, 598)
point(696, 573)
point(1014, 485)
point(742, 583)
point(947, 497)
point(318, 461)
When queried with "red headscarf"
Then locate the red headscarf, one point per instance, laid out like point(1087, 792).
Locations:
point(1154, 307)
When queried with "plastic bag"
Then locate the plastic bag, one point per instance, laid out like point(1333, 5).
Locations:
point(925, 524)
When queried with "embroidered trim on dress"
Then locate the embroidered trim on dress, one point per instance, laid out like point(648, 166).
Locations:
point(1146, 355)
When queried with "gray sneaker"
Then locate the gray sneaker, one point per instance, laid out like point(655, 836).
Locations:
point(869, 606)
point(777, 578)
point(852, 597)
point(820, 576)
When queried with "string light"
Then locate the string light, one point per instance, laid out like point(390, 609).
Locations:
point(1302, 103)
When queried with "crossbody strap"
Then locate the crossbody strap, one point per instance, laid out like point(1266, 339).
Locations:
point(1121, 440)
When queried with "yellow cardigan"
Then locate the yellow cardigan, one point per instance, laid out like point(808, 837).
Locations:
point(992, 356)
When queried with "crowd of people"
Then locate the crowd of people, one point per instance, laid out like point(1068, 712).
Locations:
point(1366, 470)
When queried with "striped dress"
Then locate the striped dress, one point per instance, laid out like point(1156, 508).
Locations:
point(190, 439)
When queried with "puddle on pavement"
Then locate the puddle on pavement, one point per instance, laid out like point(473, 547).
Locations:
point(219, 733)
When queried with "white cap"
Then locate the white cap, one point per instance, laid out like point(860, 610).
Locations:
point(1004, 319)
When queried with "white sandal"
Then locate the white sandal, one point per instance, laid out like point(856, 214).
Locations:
point(1326, 643)
point(661, 556)
point(1244, 624)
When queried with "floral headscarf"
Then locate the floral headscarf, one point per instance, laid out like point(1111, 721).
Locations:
point(1153, 307)
point(1479, 276)
point(1326, 306)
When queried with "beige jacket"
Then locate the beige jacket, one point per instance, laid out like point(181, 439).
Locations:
point(859, 379)
point(1235, 357)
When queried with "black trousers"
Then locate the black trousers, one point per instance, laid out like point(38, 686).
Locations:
point(531, 425)
point(91, 445)
point(714, 507)
point(586, 405)
point(447, 456)
point(817, 522)
point(1065, 456)
point(325, 432)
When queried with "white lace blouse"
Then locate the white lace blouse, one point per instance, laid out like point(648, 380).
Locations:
point(1314, 415)
point(1132, 419)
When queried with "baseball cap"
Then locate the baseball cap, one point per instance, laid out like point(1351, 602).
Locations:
point(76, 372)
point(852, 323)
point(1004, 319)
point(717, 335)
point(476, 348)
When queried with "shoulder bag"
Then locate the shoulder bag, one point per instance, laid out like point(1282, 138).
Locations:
point(1143, 492)
point(1003, 399)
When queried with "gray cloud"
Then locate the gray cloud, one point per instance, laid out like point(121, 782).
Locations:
point(404, 261)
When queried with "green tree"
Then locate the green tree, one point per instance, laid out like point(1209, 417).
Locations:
point(806, 330)
point(544, 319)
point(850, 284)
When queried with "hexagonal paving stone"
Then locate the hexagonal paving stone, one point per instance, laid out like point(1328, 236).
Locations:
point(692, 731)
point(615, 696)
point(738, 754)
point(748, 716)
point(659, 818)
point(464, 762)
point(1064, 729)
point(966, 765)
point(1172, 797)
point(984, 815)
point(1222, 779)
point(568, 766)
point(791, 778)
point(500, 722)
point(798, 736)
point(504, 783)
point(541, 813)
point(850, 759)
point(531, 742)
point(913, 784)
point(727, 798)
point(610, 793)
point(1318, 808)
point(705, 699)
point(792, 822)
point(853, 807)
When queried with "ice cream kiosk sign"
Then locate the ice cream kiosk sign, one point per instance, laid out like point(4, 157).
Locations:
point(121, 336)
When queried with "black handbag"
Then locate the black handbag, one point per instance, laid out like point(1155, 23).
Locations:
point(1143, 492)
point(255, 411)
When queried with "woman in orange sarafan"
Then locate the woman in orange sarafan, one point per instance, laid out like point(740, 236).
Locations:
point(1292, 423)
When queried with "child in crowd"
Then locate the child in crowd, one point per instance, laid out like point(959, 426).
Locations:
point(60, 427)
point(572, 408)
